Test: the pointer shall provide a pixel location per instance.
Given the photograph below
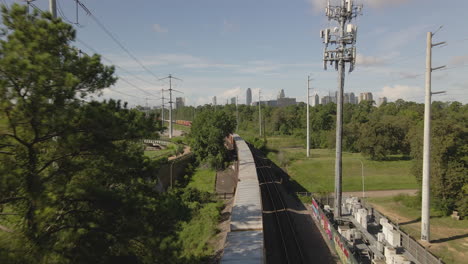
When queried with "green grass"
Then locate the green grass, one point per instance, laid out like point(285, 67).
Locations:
point(442, 227)
point(317, 172)
point(196, 234)
point(203, 180)
point(278, 142)
point(159, 153)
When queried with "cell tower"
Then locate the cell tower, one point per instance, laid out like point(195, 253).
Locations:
point(341, 36)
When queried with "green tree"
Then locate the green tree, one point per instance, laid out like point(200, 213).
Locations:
point(207, 136)
point(382, 137)
point(449, 152)
point(75, 186)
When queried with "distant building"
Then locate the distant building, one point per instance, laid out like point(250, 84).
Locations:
point(285, 101)
point(281, 94)
point(352, 98)
point(382, 100)
point(248, 97)
point(365, 96)
point(316, 100)
point(327, 99)
point(214, 100)
point(280, 102)
point(180, 102)
point(233, 100)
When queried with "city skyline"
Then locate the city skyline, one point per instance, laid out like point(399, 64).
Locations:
point(217, 48)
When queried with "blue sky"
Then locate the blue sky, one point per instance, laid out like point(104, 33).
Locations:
point(221, 48)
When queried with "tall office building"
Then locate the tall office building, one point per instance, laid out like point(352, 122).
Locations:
point(248, 98)
point(233, 100)
point(365, 96)
point(382, 100)
point(180, 102)
point(281, 94)
point(316, 99)
point(214, 100)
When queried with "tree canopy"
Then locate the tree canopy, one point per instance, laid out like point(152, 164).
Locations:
point(75, 186)
point(207, 136)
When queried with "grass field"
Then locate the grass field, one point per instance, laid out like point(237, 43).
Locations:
point(449, 237)
point(203, 180)
point(159, 153)
point(316, 173)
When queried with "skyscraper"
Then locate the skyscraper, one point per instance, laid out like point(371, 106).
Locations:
point(316, 100)
point(365, 96)
point(382, 100)
point(214, 100)
point(248, 98)
point(281, 94)
point(180, 102)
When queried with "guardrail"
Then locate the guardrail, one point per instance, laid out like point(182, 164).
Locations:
point(156, 142)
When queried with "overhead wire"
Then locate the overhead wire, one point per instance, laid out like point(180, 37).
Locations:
point(111, 62)
point(114, 38)
point(119, 77)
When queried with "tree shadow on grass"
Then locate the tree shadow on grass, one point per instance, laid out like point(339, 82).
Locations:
point(441, 240)
point(419, 220)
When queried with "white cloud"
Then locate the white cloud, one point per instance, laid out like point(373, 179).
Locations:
point(404, 92)
point(159, 29)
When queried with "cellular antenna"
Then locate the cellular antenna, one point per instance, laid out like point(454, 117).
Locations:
point(344, 37)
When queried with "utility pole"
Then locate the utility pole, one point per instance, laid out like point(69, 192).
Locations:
point(341, 36)
point(426, 177)
point(162, 107)
point(308, 116)
point(170, 77)
point(53, 8)
point(237, 114)
point(259, 112)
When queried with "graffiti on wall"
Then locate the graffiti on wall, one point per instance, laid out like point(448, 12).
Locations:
point(334, 237)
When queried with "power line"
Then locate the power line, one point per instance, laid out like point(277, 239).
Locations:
point(111, 62)
point(114, 38)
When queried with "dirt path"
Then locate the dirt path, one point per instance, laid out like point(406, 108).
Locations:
point(186, 151)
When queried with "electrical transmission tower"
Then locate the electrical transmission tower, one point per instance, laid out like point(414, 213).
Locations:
point(308, 116)
point(259, 112)
point(170, 77)
point(341, 36)
point(426, 177)
point(237, 114)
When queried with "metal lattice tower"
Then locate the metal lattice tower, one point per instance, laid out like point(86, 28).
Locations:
point(344, 38)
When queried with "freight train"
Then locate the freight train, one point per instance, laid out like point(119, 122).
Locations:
point(184, 123)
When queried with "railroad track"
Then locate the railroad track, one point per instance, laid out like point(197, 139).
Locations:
point(273, 203)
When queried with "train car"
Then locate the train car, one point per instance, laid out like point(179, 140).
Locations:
point(244, 242)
